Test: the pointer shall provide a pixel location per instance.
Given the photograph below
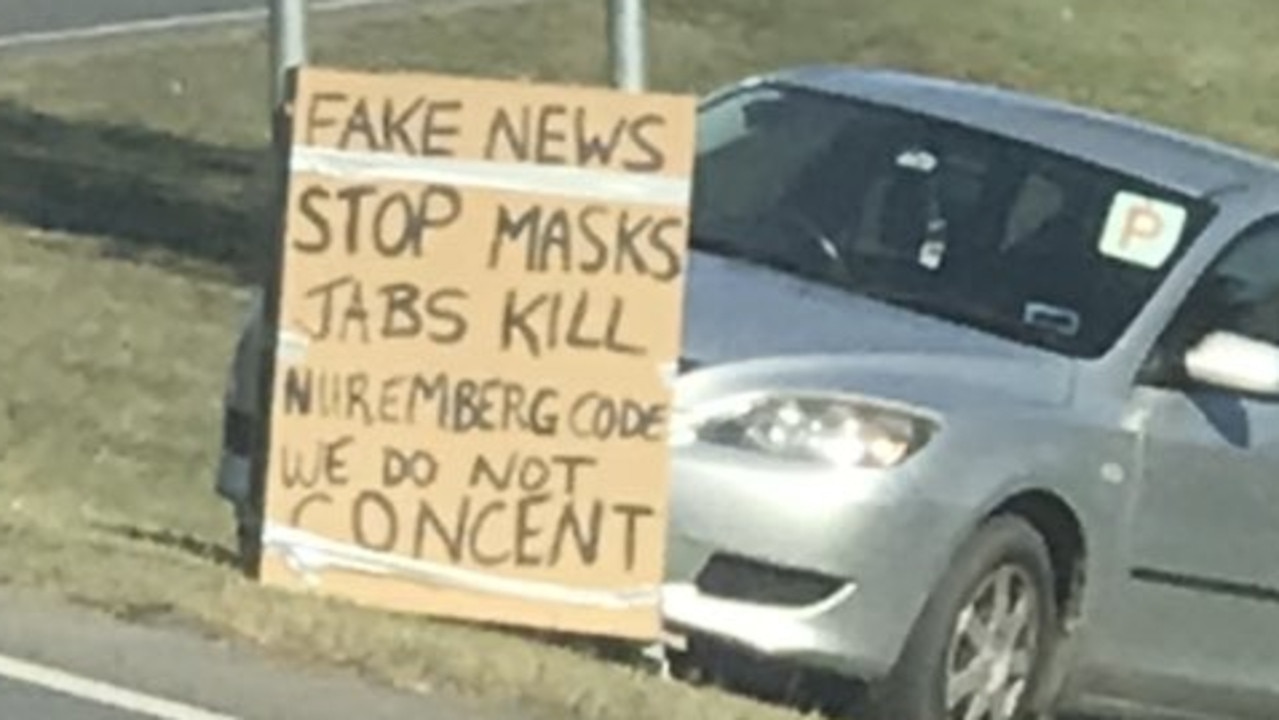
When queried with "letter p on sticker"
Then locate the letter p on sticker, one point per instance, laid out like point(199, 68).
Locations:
point(1141, 224)
point(1142, 231)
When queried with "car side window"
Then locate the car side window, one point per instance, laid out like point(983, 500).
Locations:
point(1238, 293)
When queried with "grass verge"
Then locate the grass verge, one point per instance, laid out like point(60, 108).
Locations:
point(131, 214)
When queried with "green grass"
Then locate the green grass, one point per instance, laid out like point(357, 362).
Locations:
point(132, 209)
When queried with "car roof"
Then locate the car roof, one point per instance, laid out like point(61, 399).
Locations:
point(1179, 161)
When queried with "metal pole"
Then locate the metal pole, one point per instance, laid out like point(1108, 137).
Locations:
point(288, 43)
point(287, 20)
point(627, 44)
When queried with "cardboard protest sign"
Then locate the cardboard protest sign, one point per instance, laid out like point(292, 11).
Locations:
point(479, 312)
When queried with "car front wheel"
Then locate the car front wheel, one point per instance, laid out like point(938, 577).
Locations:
point(979, 648)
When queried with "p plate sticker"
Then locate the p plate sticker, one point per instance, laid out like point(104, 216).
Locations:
point(1141, 230)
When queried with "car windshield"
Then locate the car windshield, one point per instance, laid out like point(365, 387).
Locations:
point(918, 212)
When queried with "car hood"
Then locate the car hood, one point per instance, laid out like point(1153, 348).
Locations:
point(746, 324)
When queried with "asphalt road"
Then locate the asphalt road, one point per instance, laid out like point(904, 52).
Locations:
point(20, 701)
point(51, 25)
point(60, 662)
point(21, 17)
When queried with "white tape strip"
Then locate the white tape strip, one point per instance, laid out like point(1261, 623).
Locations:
point(668, 372)
point(602, 185)
point(291, 346)
point(310, 554)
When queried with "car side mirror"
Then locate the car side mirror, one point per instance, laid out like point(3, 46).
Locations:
point(1234, 362)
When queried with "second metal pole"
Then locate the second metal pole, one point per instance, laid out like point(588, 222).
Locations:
point(628, 51)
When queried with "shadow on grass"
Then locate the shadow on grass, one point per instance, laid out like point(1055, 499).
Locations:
point(197, 547)
point(153, 196)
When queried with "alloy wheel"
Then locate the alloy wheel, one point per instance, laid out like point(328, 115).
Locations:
point(993, 647)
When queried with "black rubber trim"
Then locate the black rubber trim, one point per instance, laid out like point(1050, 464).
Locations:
point(1215, 586)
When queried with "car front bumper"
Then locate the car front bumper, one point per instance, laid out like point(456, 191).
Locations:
point(821, 571)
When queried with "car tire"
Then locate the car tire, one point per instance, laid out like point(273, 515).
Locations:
point(958, 647)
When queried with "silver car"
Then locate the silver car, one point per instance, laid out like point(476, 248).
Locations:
point(978, 408)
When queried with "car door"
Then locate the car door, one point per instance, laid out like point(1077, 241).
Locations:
point(1199, 616)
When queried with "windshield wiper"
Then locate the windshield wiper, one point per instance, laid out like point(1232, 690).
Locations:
point(711, 243)
point(739, 251)
point(967, 314)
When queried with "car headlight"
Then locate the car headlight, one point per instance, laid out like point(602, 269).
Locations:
point(838, 432)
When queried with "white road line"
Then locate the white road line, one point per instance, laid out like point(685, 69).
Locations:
point(102, 693)
point(169, 23)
